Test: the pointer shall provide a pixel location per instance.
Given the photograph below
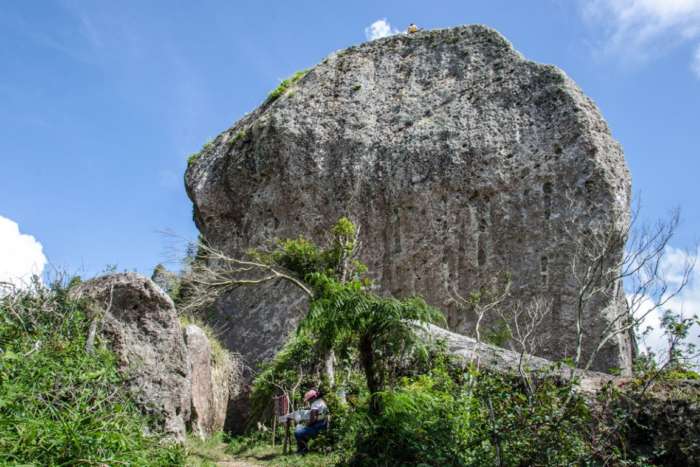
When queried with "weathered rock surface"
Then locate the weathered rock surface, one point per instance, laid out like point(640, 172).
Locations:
point(139, 322)
point(459, 159)
point(216, 380)
point(254, 323)
point(227, 385)
point(202, 415)
point(504, 361)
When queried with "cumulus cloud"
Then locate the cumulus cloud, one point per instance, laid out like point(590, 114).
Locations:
point(378, 29)
point(21, 255)
point(638, 30)
point(687, 303)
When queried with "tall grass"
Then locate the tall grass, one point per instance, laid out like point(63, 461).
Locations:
point(62, 405)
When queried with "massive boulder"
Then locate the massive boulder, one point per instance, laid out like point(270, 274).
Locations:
point(139, 322)
point(460, 160)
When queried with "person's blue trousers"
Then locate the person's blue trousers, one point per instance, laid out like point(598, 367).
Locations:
point(303, 433)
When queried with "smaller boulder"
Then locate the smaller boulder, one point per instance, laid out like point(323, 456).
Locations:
point(139, 322)
point(202, 414)
point(215, 377)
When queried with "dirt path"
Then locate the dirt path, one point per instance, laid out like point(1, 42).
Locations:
point(237, 463)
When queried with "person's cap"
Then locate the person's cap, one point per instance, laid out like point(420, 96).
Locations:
point(310, 395)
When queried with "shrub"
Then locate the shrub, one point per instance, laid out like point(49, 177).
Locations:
point(62, 405)
point(283, 373)
point(284, 86)
point(238, 137)
point(434, 419)
point(195, 157)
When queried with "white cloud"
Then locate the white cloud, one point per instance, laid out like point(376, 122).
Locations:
point(21, 255)
point(638, 30)
point(378, 29)
point(687, 302)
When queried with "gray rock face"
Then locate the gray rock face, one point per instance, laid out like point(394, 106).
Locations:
point(215, 380)
point(227, 384)
point(254, 323)
point(202, 416)
point(459, 159)
point(140, 323)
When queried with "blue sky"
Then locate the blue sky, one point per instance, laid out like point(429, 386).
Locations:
point(101, 102)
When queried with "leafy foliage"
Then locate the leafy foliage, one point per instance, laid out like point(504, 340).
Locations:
point(292, 368)
point(405, 404)
point(61, 405)
point(346, 317)
point(448, 417)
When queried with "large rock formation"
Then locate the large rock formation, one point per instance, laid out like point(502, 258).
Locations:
point(140, 324)
point(459, 159)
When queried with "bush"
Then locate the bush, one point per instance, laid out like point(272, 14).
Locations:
point(60, 405)
point(422, 423)
point(282, 373)
point(193, 158)
point(284, 86)
point(434, 420)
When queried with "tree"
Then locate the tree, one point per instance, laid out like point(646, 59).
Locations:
point(382, 330)
point(344, 314)
point(636, 276)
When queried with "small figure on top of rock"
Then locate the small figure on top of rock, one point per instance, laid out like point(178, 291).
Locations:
point(412, 28)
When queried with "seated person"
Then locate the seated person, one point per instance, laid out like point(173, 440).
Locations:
point(318, 420)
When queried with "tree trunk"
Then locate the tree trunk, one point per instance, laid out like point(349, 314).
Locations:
point(374, 383)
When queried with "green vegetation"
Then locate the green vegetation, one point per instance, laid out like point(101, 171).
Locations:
point(62, 405)
point(284, 86)
point(396, 401)
point(238, 137)
point(345, 318)
point(195, 157)
point(206, 453)
point(404, 403)
point(219, 355)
